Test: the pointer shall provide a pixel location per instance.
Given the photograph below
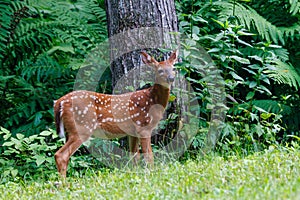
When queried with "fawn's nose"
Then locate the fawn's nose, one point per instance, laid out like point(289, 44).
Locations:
point(171, 79)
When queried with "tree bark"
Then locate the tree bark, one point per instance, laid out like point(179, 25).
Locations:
point(124, 15)
point(135, 25)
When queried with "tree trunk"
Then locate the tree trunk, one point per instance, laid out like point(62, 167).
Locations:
point(135, 25)
point(124, 15)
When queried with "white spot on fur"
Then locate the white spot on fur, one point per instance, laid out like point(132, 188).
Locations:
point(61, 129)
point(61, 108)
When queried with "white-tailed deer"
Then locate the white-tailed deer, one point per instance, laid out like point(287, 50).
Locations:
point(84, 113)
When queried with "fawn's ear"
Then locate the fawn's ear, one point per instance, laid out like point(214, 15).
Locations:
point(148, 60)
point(173, 57)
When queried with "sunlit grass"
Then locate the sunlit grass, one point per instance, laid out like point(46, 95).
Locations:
point(269, 175)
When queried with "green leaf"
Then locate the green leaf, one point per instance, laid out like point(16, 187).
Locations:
point(37, 118)
point(245, 33)
point(20, 136)
point(214, 50)
point(195, 36)
point(250, 95)
point(199, 19)
point(266, 80)
point(6, 173)
point(265, 89)
point(14, 172)
point(241, 60)
point(254, 116)
point(5, 78)
point(252, 84)
point(250, 71)
point(4, 130)
point(172, 98)
point(243, 42)
point(186, 53)
point(64, 48)
point(265, 116)
point(223, 57)
point(218, 22)
point(258, 58)
point(46, 133)
point(259, 109)
point(33, 137)
point(192, 80)
point(235, 76)
point(196, 30)
point(8, 144)
point(226, 24)
point(40, 159)
point(258, 129)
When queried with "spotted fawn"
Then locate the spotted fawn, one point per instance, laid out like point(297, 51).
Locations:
point(81, 114)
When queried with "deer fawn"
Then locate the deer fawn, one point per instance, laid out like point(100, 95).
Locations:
point(84, 113)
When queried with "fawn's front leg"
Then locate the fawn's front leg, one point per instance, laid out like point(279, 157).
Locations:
point(147, 150)
point(134, 148)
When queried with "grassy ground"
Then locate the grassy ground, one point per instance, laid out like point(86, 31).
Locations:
point(270, 175)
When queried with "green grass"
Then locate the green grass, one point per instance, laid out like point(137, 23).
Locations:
point(269, 175)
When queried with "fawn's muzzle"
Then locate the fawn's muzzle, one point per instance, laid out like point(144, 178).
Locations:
point(170, 79)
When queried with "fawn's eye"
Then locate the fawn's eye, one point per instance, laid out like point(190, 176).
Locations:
point(160, 71)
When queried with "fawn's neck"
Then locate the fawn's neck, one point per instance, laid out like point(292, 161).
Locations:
point(160, 94)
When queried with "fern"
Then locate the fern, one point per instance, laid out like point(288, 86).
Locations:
point(290, 32)
point(264, 50)
point(38, 52)
point(291, 116)
point(251, 19)
point(5, 20)
point(99, 15)
point(8, 19)
point(294, 6)
point(44, 69)
point(283, 73)
point(272, 106)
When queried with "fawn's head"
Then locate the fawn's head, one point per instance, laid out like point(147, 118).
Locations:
point(164, 70)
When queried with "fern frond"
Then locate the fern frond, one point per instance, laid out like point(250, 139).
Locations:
point(44, 69)
point(265, 51)
point(272, 106)
point(99, 15)
point(283, 73)
point(294, 6)
point(291, 31)
point(291, 116)
point(7, 20)
point(251, 19)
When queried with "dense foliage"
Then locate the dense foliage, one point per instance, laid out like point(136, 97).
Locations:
point(43, 45)
point(253, 51)
point(254, 45)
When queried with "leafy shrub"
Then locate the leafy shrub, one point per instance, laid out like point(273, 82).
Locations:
point(32, 157)
point(27, 157)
